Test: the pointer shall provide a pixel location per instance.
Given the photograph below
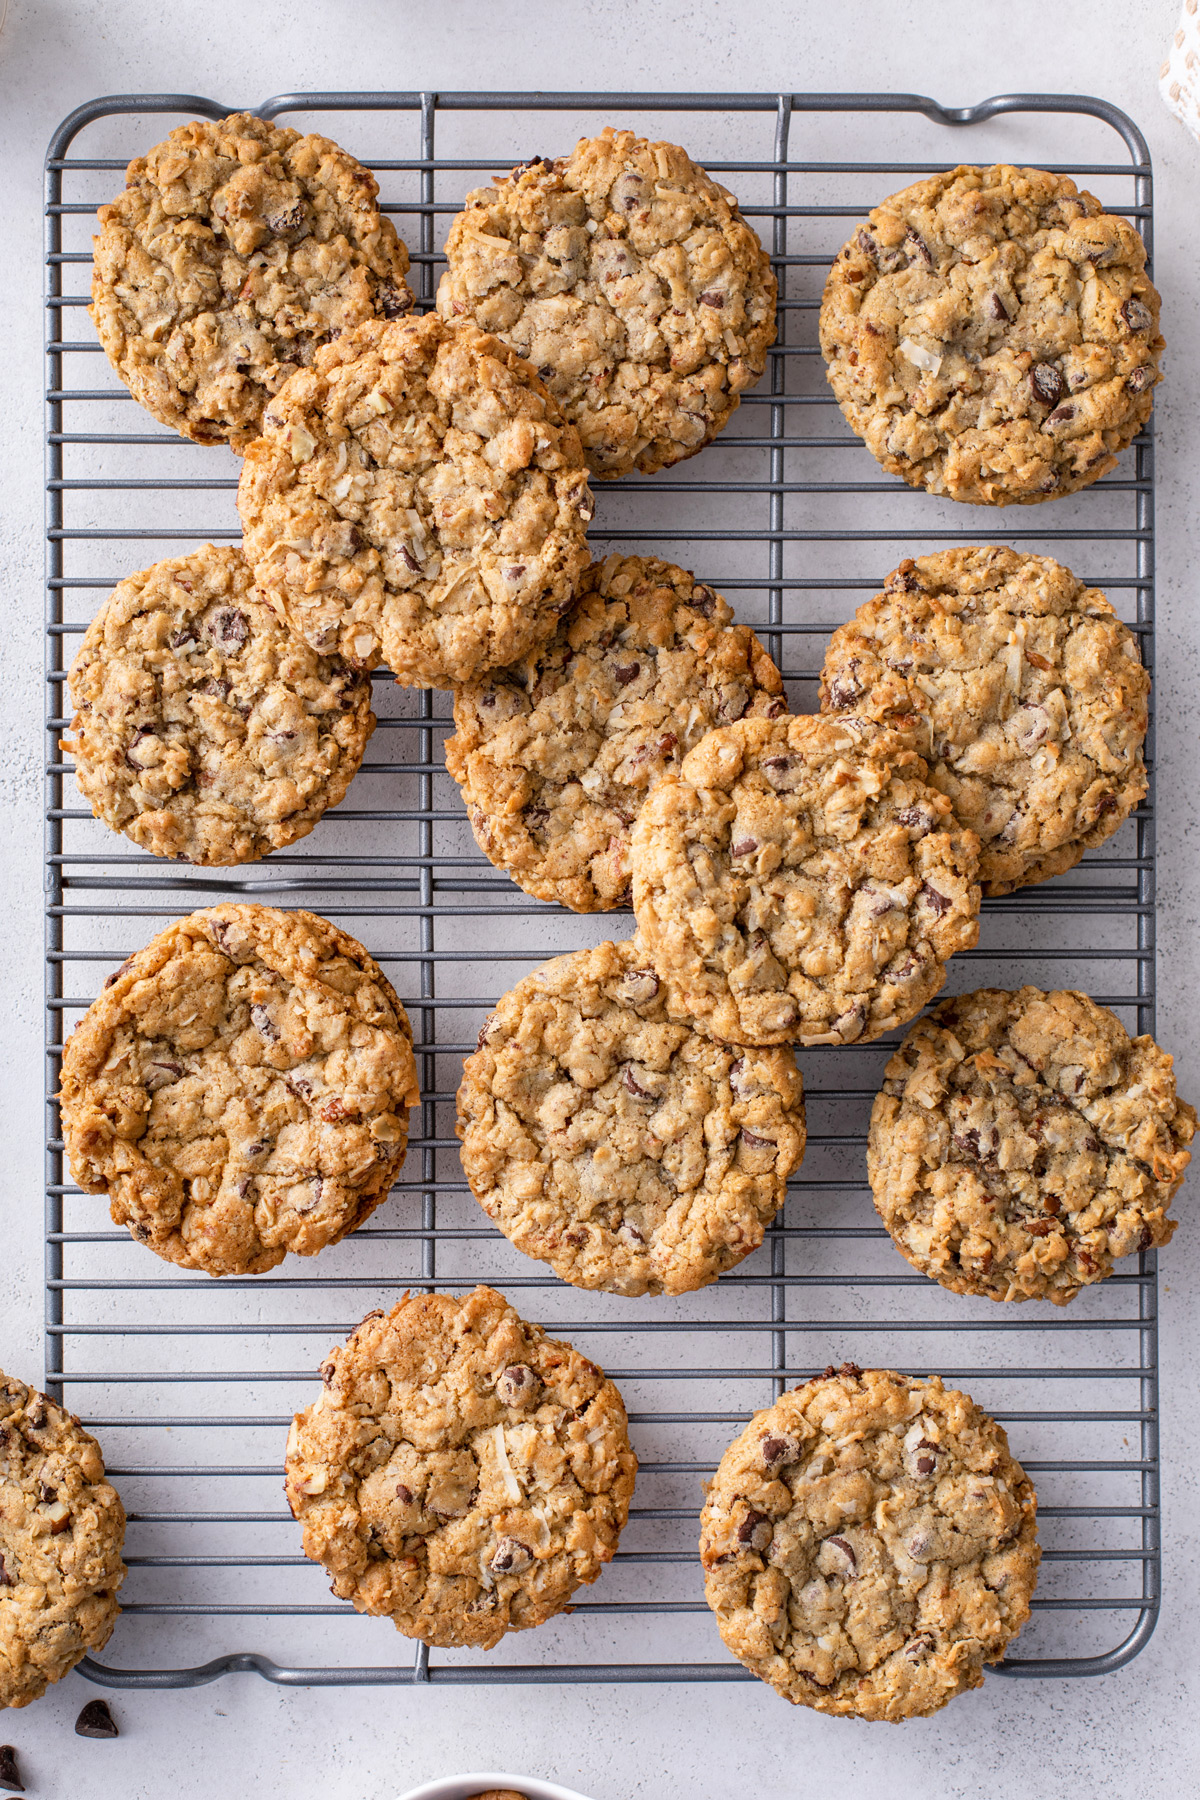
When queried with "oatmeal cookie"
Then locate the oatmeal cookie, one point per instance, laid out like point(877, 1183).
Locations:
point(616, 1144)
point(632, 283)
point(61, 1531)
point(869, 1544)
point(799, 881)
point(236, 249)
point(417, 496)
point(1032, 691)
point(205, 729)
point(462, 1474)
point(556, 753)
point(1022, 1142)
point(992, 335)
point(241, 1088)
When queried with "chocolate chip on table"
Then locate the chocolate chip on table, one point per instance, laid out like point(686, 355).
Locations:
point(10, 1780)
point(96, 1721)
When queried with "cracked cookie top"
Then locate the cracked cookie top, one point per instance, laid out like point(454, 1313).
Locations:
point(236, 249)
point(556, 753)
point(992, 335)
point(632, 283)
point(462, 1473)
point(799, 881)
point(417, 497)
point(205, 729)
point(61, 1532)
point(869, 1544)
point(1022, 1142)
point(241, 1088)
point(618, 1145)
point(1032, 691)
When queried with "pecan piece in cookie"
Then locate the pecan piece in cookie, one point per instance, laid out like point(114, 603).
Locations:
point(62, 1528)
point(1032, 694)
point(556, 753)
point(838, 925)
point(1024, 1142)
point(616, 1143)
point(204, 728)
point(241, 1089)
point(433, 1499)
point(851, 1577)
point(418, 497)
point(237, 248)
point(977, 302)
point(631, 282)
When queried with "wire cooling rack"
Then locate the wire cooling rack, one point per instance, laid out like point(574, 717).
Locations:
point(190, 1382)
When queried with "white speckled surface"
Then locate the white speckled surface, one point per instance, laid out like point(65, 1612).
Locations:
point(1133, 1734)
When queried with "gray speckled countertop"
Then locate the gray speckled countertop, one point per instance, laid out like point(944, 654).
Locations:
point(1133, 1734)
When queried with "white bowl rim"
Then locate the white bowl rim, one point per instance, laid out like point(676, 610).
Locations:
point(456, 1787)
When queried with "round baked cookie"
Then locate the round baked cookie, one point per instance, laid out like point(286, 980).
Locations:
point(205, 729)
point(992, 335)
point(556, 753)
point(236, 249)
point(462, 1473)
point(1032, 691)
point(1023, 1142)
point(417, 496)
point(869, 1544)
point(241, 1088)
point(798, 880)
point(625, 1149)
point(632, 283)
point(61, 1531)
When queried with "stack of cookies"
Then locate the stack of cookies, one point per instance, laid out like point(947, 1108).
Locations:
point(415, 491)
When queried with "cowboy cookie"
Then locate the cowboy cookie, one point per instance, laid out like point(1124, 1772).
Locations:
point(1023, 1142)
point(236, 249)
point(462, 1473)
point(417, 496)
point(992, 335)
point(241, 1088)
point(1032, 693)
point(616, 1144)
point(556, 753)
point(869, 1544)
point(631, 282)
point(204, 729)
point(799, 881)
point(61, 1532)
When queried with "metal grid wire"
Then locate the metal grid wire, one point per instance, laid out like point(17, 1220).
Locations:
point(191, 1382)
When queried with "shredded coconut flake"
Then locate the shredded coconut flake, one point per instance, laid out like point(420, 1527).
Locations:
point(511, 1484)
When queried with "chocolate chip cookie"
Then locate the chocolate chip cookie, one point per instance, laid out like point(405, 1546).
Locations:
point(992, 335)
point(869, 1544)
point(632, 283)
point(417, 496)
point(618, 1145)
point(1032, 692)
point(241, 1088)
point(1023, 1142)
point(799, 881)
point(205, 729)
point(236, 249)
point(61, 1531)
point(556, 753)
point(462, 1474)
